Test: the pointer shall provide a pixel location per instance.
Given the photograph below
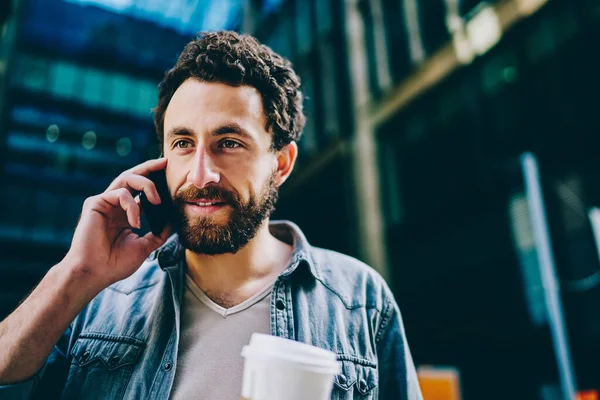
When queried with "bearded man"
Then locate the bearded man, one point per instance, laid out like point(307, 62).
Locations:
point(124, 316)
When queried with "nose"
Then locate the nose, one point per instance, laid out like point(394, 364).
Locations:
point(203, 170)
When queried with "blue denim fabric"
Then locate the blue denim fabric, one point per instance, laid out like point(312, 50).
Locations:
point(123, 345)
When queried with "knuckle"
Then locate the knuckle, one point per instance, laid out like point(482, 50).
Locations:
point(122, 193)
point(118, 182)
point(90, 201)
point(143, 178)
point(127, 177)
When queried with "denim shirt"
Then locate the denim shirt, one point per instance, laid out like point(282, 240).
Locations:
point(123, 345)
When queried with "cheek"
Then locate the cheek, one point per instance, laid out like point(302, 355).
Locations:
point(176, 174)
point(244, 180)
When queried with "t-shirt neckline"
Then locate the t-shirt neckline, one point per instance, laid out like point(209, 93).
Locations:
point(224, 312)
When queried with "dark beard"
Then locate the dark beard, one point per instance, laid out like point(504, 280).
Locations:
point(205, 236)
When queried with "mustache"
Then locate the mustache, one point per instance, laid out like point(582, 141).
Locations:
point(210, 193)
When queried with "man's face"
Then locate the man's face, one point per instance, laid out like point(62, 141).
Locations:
point(221, 172)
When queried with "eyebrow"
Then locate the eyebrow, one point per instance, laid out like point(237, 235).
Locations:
point(226, 129)
point(234, 128)
point(180, 131)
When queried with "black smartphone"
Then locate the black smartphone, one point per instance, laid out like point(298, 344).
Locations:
point(161, 215)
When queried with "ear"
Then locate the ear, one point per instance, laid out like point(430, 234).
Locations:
point(286, 159)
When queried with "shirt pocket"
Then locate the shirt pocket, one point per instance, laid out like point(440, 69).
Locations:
point(102, 366)
point(357, 380)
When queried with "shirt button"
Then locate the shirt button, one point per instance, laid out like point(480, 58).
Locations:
point(362, 385)
point(168, 366)
point(85, 355)
point(113, 361)
point(342, 379)
point(280, 304)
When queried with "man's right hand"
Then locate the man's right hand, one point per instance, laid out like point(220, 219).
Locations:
point(105, 248)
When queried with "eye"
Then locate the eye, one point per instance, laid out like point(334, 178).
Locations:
point(182, 144)
point(230, 144)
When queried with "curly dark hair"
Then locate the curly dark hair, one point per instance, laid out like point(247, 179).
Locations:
point(238, 59)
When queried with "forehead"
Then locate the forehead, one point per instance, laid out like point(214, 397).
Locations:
point(198, 105)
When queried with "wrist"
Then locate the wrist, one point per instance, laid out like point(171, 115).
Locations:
point(77, 277)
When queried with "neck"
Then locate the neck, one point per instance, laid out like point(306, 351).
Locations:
point(260, 260)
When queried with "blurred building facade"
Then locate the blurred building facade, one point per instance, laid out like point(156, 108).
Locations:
point(418, 115)
point(79, 83)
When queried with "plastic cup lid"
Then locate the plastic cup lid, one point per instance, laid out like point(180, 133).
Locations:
point(290, 347)
point(294, 361)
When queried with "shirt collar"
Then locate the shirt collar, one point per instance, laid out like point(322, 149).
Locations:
point(290, 233)
point(172, 252)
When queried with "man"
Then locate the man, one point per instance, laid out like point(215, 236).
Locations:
point(104, 323)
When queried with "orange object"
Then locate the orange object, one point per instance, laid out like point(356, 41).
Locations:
point(440, 383)
point(587, 395)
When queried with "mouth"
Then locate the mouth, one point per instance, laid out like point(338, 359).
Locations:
point(206, 203)
point(204, 207)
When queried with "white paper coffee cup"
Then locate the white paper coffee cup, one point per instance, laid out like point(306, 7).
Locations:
point(278, 368)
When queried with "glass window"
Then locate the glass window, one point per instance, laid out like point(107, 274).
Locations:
point(432, 19)
point(93, 87)
point(329, 90)
point(27, 115)
point(147, 97)
point(279, 40)
point(120, 92)
point(269, 6)
point(135, 105)
point(388, 164)
point(381, 58)
point(63, 79)
point(33, 73)
point(186, 16)
point(376, 47)
point(47, 207)
point(324, 16)
point(303, 26)
point(397, 40)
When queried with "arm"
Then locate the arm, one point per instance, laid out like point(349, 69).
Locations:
point(28, 335)
point(104, 250)
point(397, 375)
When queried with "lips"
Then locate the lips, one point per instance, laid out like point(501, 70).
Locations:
point(206, 204)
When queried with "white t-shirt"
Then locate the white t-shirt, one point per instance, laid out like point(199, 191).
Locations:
point(209, 362)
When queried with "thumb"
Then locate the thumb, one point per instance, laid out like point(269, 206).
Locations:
point(150, 242)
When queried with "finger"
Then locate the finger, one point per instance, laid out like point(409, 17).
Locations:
point(164, 235)
point(133, 182)
point(149, 166)
point(151, 242)
point(123, 198)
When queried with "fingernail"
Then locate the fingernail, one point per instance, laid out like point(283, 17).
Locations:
point(139, 223)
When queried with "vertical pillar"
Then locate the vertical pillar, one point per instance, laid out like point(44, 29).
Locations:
point(371, 235)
